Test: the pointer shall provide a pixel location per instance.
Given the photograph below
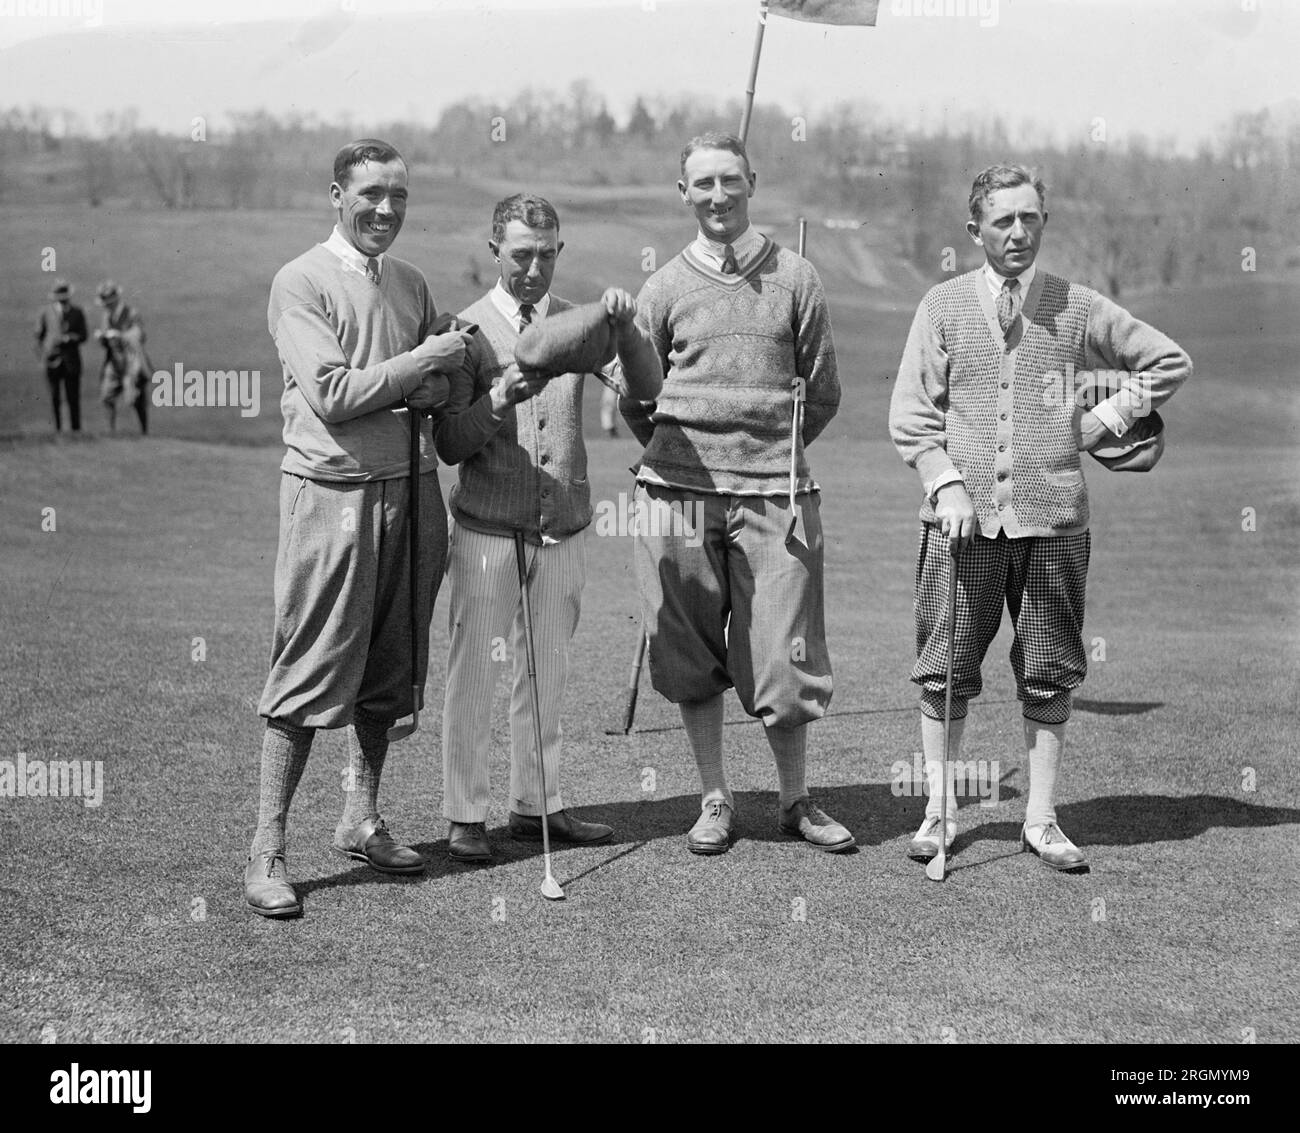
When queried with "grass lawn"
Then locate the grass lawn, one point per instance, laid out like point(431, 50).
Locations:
point(125, 922)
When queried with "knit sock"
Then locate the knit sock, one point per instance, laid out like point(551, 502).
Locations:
point(932, 749)
point(703, 720)
point(790, 747)
point(1044, 742)
point(367, 750)
point(285, 748)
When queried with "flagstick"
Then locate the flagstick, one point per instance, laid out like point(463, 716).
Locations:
point(753, 72)
point(803, 234)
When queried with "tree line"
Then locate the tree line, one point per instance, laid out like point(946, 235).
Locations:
point(1137, 213)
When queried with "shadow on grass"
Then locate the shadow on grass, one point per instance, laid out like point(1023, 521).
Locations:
point(1117, 707)
point(1134, 820)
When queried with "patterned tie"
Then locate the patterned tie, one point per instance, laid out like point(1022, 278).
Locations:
point(729, 265)
point(1007, 305)
point(372, 270)
point(525, 315)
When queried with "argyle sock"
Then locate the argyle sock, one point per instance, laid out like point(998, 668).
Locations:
point(703, 720)
point(790, 747)
point(285, 748)
point(367, 750)
point(932, 749)
point(1044, 742)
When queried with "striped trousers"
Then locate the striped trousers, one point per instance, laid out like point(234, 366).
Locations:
point(486, 624)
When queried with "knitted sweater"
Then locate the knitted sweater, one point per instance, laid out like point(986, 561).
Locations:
point(1006, 414)
point(527, 470)
point(731, 346)
point(345, 346)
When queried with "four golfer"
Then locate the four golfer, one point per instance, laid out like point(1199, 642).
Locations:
point(517, 438)
point(727, 372)
point(990, 409)
point(354, 326)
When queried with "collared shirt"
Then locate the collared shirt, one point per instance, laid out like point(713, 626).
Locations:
point(352, 259)
point(509, 306)
point(745, 247)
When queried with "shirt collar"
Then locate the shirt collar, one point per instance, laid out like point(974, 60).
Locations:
point(509, 306)
point(338, 244)
point(745, 247)
point(996, 281)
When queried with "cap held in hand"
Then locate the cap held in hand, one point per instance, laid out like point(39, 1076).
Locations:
point(576, 341)
point(1143, 446)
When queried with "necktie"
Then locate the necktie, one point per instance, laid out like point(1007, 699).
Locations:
point(1007, 305)
point(525, 315)
point(372, 270)
point(729, 265)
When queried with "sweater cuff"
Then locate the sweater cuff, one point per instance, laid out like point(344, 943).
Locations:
point(932, 464)
point(406, 371)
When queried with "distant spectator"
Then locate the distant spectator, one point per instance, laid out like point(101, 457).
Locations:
point(126, 365)
point(60, 331)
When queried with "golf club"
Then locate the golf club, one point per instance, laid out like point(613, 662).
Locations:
point(633, 688)
point(937, 869)
point(401, 730)
point(796, 528)
point(550, 887)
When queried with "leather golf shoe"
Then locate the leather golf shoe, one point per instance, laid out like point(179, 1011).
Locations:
point(814, 825)
point(370, 842)
point(266, 886)
point(563, 827)
point(925, 842)
point(468, 842)
point(711, 833)
point(1052, 847)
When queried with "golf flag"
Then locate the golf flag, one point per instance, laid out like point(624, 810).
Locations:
point(861, 13)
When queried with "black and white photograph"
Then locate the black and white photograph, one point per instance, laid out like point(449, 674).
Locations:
point(650, 522)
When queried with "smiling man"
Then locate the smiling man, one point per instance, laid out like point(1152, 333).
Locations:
point(355, 330)
point(982, 411)
point(517, 437)
point(740, 325)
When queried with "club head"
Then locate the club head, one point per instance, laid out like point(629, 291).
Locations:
point(938, 866)
point(551, 889)
point(400, 730)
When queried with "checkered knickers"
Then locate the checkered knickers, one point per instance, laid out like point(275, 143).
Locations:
point(1042, 579)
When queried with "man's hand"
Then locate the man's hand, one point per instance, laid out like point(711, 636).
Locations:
point(441, 353)
point(619, 305)
point(956, 513)
point(1093, 434)
point(516, 385)
point(433, 392)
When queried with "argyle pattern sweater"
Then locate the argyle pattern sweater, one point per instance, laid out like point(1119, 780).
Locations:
point(731, 345)
point(1005, 412)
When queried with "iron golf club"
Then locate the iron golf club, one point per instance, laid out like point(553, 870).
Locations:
point(937, 869)
point(401, 730)
point(633, 687)
point(550, 887)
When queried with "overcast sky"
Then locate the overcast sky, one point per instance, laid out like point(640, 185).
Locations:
point(1164, 68)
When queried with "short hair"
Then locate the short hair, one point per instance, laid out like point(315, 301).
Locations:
point(536, 212)
point(1002, 176)
point(358, 153)
point(715, 139)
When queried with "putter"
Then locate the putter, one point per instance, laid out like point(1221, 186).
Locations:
point(633, 687)
point(400, 730)
point(937, 869)
point(550, 887)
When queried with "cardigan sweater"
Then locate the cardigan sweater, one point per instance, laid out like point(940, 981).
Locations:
point(732, 347)
point(528, 469)
point(345, 346)
point(1005, 412)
